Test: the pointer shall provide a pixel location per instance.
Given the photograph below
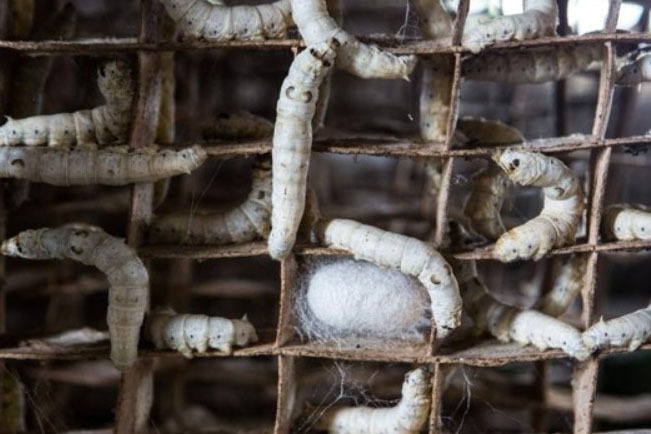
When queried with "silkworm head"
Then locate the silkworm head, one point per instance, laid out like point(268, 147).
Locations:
point(115, 81)
point(244, 332)
point(416, 381)
point(24, 245)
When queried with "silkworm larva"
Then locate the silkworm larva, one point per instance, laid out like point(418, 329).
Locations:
point(556, 225)
point(366, 61)
point(128, 277)
point(627, 222)
point(567, 275)
point(187, 332)
point(105, 124)
point(238, 125)
point(538, 20)
point(292, 141)
point(635, 72)
point(246, 222)
point(488, 189)
point(511, 324)
point(484, 132)
point(201, 19)
point(409, 255)
point(407, 417)
point(111, 166)
point(434, 20)
point(630, 330)
point(531, 66)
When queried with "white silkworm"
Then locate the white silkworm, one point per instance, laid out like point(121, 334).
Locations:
point(636, 72)
point(567, 276)
point(244, 223)
point(407, 417)
point(409, 255)
point(627, 222)
point(238, 125)
point(531, 66)
point(538, 20)
point(557, 223)
point(105, 124)
point(187, 332)
point(488, 190)
point(128, 277)
point(366, 61)
point(110, 166)
point(630, 330)
point(292, 141)
point(217, 22)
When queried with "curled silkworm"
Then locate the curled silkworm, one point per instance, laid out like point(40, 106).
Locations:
point(110, 166)
point(214, 21)
point(292, 142)
point(367, 61)
point(567, 277)
point(407, 417)
point(105, 124)
point(187, 332)
point(630, 330)
point(408, 255)
point(246, 222)
point(238, 125)
point(531, 66)
point(627, 222)
point(538, 20)
point(128, 277)
point(635, 72)
point(557, 223)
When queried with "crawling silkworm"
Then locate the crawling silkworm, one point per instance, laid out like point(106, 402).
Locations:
point(110, 166)
point(630, 330)
point(244, 223)
point(214, 21)
point(187, 332)
point(408, 255)
point(627, 222)
point(128, 277)
point(567, 276)
point(292, 141)
point(557, 223)
point(635, 72)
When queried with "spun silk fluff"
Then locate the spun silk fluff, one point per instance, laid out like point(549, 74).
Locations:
point(358, 298)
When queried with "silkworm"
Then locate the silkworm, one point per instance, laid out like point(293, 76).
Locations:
point(635, 72)
point(363, 60)
point(105, 124)
point(556, 225)
point(217, 22)
point(630, 330)
point(186, 333)
point(244, 223)
point(111, 166)
point(627, 222)
point(531, 66)
point(538, 20)
point(407, 417)
point(567, 277)
point(292, 141)
point(127, 276)
point(484, 132)
point(408, 255)
point(488, 190)
point(238, 125)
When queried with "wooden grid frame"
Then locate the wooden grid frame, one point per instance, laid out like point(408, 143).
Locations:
point(136, 388)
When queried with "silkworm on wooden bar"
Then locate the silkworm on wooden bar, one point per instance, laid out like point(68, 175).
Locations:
point(127, 276)
point(238, 125)
point(488, 190)
point(531, 66)
point(110, 166)
point(627, 222)
point(538, 19)
point(407, 417)
point(567, 277)
point(186, 333)
point(216, 22)
point(630, 330)
point(103, 125)
point(408, 255)
point(246, 222)
point(557, 223)
point(363, 60)
point(292, 141)
point(635, 72)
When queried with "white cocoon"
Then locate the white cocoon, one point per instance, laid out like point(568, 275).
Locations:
point(357, 297)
